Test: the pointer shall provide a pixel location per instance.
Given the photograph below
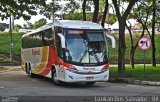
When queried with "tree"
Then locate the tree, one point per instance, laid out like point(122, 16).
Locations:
point(39, 23)
point(17, 27)
point(86, 7)
point(28, 25)
point(84, 10)
point(49, 10)
point(25, 26)
point(122, 22)
point(20, 8)
point(72, 7)
point(153, 35)
point(96, 11)
point(141, 12)
point(75, 16)
point(104, 13)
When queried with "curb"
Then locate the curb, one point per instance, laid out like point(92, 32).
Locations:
point(3, 71)
point(132, 81)
point(9, 64)
point(10, 69)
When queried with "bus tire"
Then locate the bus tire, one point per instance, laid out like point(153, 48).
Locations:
point(29, 71)
point(26, 70)
point(54, 78)
point(90, 83)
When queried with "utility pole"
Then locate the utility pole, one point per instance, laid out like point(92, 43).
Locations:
point(11, 42)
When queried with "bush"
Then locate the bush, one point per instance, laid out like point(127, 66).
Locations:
point(139, 55)
point(5, 43)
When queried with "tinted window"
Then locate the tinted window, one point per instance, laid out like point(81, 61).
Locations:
point(43, 38)
point(47, 38)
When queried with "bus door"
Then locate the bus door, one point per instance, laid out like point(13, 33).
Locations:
point(60, 54)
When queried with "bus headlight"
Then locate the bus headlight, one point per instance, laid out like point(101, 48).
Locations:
point(72, 68)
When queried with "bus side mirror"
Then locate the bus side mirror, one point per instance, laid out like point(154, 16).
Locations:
point(62, 38)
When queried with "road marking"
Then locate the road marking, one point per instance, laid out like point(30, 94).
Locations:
point(1, 87)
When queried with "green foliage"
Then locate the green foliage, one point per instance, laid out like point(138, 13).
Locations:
point(39, 23)
point(5, 43)
point(16, 28)
point(112, 19)
point(20, 8)
point(152, 73)
point(71, 7)
point(49, 9)
point(139, 55)
point(4, 59)
point(77, 16)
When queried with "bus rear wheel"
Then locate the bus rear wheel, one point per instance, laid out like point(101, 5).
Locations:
point(54, 78)
point(29, 71)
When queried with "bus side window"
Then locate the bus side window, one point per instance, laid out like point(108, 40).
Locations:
point(47, 38)
point(38, 40)
point(58, 42)
point(43, 39)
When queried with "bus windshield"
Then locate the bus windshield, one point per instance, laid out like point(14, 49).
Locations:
point(85, 47)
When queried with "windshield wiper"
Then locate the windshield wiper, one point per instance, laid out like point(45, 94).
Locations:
point(103, 53)
point(83, 55)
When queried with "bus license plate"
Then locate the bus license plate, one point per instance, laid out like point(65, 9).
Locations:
point(89, 78)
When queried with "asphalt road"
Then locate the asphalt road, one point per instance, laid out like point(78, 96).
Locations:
point(16, 83)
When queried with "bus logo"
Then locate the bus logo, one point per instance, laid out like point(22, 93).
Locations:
point(88, 68)
point(35, 52)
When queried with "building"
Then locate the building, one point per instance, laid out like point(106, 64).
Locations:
point(3, 26)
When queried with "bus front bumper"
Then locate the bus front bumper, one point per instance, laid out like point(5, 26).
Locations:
point(74, 77)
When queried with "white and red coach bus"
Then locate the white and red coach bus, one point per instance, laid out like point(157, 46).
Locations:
point(67, 51)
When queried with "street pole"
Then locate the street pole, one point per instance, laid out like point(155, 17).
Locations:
point(144, 63)
point(11, 42)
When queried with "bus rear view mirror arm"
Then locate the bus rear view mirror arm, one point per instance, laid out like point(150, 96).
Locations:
point(63, 45)
point(113, 41)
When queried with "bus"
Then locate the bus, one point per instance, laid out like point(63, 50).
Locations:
point(66, 51)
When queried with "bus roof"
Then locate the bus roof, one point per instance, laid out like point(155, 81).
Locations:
point(74, 24)
point(77, 24)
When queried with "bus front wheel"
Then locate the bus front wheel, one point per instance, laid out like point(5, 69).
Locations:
point(54, 78)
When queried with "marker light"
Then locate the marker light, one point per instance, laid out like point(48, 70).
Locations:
point(72, 68)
